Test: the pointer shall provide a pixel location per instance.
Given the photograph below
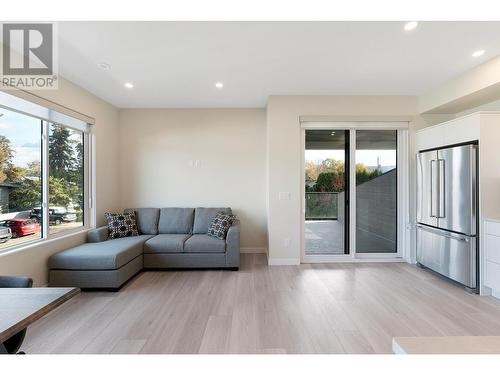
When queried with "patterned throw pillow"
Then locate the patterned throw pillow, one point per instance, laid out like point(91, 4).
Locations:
point(220, 225)
point(121, 225)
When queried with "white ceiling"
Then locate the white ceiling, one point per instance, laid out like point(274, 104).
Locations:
point(176, 64)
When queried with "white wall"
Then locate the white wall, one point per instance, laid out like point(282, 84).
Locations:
point(492, 106)
point(474, 87)
point(33, 261)
point(158, 147)
point(284, 156)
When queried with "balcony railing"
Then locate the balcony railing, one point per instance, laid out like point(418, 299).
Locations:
point(322, 206)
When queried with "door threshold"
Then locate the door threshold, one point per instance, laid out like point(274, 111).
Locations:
point(348, 259)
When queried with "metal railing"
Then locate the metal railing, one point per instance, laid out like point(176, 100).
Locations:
point(322, 206)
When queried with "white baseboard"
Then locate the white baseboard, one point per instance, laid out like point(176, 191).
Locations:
point(283, 261)
point(253, 250)
point(495, 293)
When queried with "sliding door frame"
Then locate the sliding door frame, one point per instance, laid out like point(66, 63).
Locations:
point(402, 191)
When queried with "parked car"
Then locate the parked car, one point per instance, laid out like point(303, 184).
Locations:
point(57, 215)
point(22, 227)
point(5, 234)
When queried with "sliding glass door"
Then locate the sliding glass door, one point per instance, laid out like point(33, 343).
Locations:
point(353, 191)
point(326, 211)
point(376, 191)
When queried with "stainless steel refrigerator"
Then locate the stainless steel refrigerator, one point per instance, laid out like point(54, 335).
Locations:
point(447, 217)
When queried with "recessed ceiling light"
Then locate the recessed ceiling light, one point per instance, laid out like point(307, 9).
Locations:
point(104, 66)
point(411, 25)
point(129, 85)
point(219, 85)
point(479, 52)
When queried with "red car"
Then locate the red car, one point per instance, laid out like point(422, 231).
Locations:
point(22, 227)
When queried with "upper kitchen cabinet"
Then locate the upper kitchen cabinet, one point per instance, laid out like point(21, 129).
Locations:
point(460, 130)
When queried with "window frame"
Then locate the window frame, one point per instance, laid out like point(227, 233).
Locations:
point(20, 103)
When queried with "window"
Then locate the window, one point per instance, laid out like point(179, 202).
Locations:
point(66, 170)
point(44, 163)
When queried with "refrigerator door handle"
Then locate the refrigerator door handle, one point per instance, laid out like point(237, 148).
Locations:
point(441, 187)
point(433, 196)
point(473, 188)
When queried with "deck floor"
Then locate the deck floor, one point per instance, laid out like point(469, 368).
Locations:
point(326, 237)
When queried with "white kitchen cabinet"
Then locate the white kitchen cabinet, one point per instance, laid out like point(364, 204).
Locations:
point(492, 253)
point(460, 130)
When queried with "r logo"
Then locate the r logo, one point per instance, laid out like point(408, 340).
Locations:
point(28, 49)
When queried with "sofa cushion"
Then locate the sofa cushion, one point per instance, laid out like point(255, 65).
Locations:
point(147, 219)
point(203, 216)
point(203, 243)
point(175, 220)
point(121, 225)
point(107, 255)
point(220, 225)
point(166, 243)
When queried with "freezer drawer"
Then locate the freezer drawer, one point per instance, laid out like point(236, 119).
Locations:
point(449, 254)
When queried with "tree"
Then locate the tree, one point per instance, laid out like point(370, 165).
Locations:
point(61, 154)
point(6, 155)
point(364, 174)
point(332, 165)
point(15, 174)
point(331, 175)
point(27, 196)
point(34, 169)
point(77, 174)
point(312, 170)
point(29, 192)
point(330, 182)
point(61, 191)
point(66, 167)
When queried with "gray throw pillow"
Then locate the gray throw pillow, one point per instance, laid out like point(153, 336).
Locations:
point(220, 225)
point(121, 225)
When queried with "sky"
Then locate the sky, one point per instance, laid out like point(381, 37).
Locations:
point(366, 157)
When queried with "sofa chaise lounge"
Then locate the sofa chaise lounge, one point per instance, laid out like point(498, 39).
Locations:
point(168, 238)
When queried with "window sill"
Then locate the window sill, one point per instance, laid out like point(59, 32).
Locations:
point(44, 241)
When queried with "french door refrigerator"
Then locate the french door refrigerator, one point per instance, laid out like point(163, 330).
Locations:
point(447, 212)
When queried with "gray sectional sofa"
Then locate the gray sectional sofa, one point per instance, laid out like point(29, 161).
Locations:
point(168, 238)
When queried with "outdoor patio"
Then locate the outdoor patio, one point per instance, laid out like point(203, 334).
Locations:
point(326, 237)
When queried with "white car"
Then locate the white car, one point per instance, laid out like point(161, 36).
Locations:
point(5, 234)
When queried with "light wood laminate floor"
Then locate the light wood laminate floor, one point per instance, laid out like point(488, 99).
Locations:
point(322, 308)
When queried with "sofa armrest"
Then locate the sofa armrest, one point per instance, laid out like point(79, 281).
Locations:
point(233, 245)
point(98, 234)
